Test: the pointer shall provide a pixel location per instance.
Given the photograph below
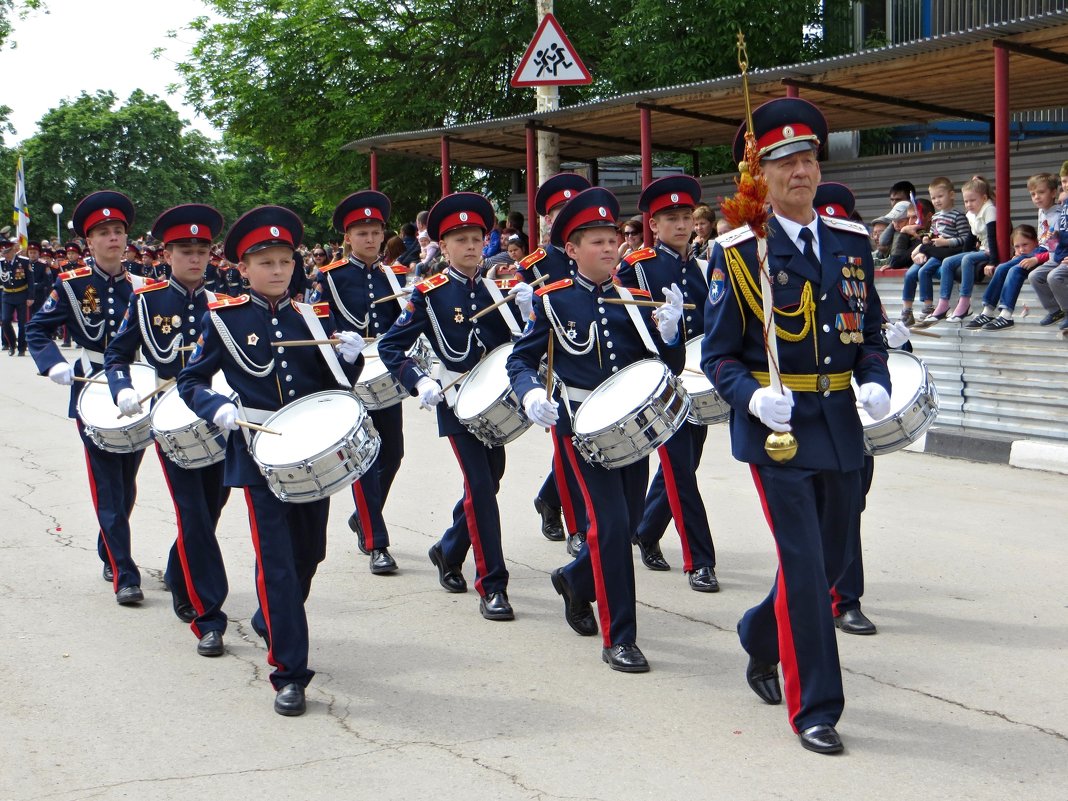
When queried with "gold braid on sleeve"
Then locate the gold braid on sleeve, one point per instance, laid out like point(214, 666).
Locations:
point(748, 288)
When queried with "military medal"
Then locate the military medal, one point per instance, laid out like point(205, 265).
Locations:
point(176, 321)
point(858, 274)
point(844, 336)
point(157, 321)
point(572, 332)
point(252, 339)
point(846, 272)
point(459, 316)
point(89, 301)
point(857, 337)
point(165, 328)
point(782, 277)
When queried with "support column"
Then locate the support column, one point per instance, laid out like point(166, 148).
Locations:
point(374, 170)
point(646, 118)
point(792, 91)
point(1002, 184)
point(533, 220)
point(446, 186)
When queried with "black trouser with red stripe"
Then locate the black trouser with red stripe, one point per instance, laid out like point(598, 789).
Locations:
point(849, 589)
point(15, 310)
point(560, 490)
point(372, 490)
point(290, 542)
point(113, 484)
point(604, 569)
point(674, 494)
point(195, 570)
point(476, 520)
point(810, 513)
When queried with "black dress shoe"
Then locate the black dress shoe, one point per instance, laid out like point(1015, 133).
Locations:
point(289, 701)
point(211, 644)
point(652, 556)
point(108, 573)
point(575, 543)
point(185, 611)
point(821, 738)
point(764, 681)
point(625, 657)
point(357, 529)
point(449, 576)
point(853, 621)
point(495, 606)
point(703, 579)
point(129, 595)
point(552, 527)
point(382, 562)
point(578, 614)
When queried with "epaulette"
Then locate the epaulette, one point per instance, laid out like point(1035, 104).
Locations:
point(321, 309)
point(533, 258)
point(225, 302)
point(554, 285)
point(641, 293)
point(328, 267)
point(845, 225)
point(399, 269)
point(81, 272)
point(505, 283)
point(433, 282)
point(149, 286)
point(641, 254)
point(735, 237)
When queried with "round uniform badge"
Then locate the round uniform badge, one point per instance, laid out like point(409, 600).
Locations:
point(567, 193)
point(674, 198)
point(367, 212)
point(274, 230)
point(463, 216)
point(787, 132)
point(823, 383)
point(829, 211)
point(106, 212)
point(602, 211)
point(194, 229)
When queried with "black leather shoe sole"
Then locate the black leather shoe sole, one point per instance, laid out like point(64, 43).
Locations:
point(451, 581)
point(290, 701)
point(129, 595)
point(552, 527)
point(764, 681)
point(821, 739)
point(581, 620)
point(632, 661)
point(211, 644)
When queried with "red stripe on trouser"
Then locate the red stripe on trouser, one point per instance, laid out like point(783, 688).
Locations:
point(183, 560)
point(365, 516)
point(835, 600)
point(787, 654)
point(603, 611)
point(96, 509)
point(472, 521)
point(261, 582)
point(672, 490)
point(562, 489)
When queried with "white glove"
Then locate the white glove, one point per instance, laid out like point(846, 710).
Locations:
point(62, 373)
point(226, 417)
point(524, 297)
point(430, 393)
point(668, 315)
point(772, 408)
point(128, 402)
point(351, 346)
point(897, 334)
point(540, 410)
point(874, 400)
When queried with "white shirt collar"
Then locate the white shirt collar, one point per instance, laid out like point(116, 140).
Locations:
point(793, 230)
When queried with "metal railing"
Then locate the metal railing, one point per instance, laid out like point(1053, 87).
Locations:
point(908, 20)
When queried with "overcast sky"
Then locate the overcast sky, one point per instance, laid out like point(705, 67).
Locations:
point(95, 45)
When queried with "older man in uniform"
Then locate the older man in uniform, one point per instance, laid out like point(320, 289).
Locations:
point(16, 274)
point(827, 320)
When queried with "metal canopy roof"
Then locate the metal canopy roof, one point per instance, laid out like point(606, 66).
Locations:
point(942, 77)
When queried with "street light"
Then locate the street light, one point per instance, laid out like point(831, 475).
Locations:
point(57, 209)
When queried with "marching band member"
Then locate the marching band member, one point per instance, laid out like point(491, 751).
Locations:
point(162, 318)
point(351, 288)
point(593, 340)
point(674, 493)
point(440, 307)
point(91, 301)
point(289, 538)
point(821, 279)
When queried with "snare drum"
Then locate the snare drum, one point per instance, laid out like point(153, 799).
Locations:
point(706, 406)
point(486, 404)
point(377, 387)
point(101, 418)
point(187, 440)
point(913, 406)
point(630, 415)
point(326, 441)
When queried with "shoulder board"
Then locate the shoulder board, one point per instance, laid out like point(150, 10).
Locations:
point(735, 237)
point(554, 285)
point(81, 272)
point(151, 285)
point(641, 254)
point(845, 225)
point(321, 309)
point(533, 258)
point(642, 293)
point(225, 302)
point(328, 267)
point(433, 282)
point(398, 269)
point(505, 283)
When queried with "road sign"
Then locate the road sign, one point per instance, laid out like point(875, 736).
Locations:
point(550, 59)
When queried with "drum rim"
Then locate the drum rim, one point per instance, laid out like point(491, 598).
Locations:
point(667, 375)
point(357, 423)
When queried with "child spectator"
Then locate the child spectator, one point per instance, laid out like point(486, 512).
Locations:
point(1008, 279)
point(950, 234)
point(1050, 280)
point(492, 243)
point(979, 202)
point(704, 226)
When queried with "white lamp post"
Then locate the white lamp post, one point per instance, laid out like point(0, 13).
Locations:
point(57, 209)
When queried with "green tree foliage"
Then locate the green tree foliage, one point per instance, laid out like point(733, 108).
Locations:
point(20, 8)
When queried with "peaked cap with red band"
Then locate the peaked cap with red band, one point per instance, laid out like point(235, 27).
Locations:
point(263, 227)
point(670, 192)
point(102, 207)
point(834, 200)
point(193, 222)
point(782, 127)
point(459, 210)
point(558, 189)
point(595, 207)
point(359, 207)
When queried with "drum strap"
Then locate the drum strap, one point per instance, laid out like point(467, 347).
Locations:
point(444, 375)
point(315, 328)
point(506, 313)
point(251, 414)
point(394, 284)
point(635, 318)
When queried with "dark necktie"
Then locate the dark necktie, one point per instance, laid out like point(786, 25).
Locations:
point(809, 251)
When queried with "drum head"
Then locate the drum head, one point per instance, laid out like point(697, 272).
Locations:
point(692, 382)
point(485, 384)
point(170, 412)
point(619, 395)
point(373, 367)
point(96, 408)
point(307, 427)
point(907, 375)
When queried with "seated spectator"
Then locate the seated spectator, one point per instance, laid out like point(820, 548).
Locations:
point(1008, 278)
point(633, 233)
point(902, 190)
point(949, 235)
point(704, 226)
point(515, 222)
point(492, 245)
point(514, 252)
point(722, 226)
point(411, 244)
point(875, 234)
point(1062, 198)
point(1050, 280)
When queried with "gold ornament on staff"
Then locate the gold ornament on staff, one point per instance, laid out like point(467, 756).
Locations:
point(748, 206)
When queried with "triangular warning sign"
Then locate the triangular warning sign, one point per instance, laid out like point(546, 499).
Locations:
point(550, 59)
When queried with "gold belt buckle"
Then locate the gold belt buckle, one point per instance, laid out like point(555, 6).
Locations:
point(823, 383)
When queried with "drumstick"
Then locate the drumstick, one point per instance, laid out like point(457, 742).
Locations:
point(299, 343)
point(454, 382)
point(88, 380)
point(504, 300)
point(918, 332)
point(170, 382)
point(255, 427)
point(693, 370)
point(394, 296)
point(549, 368)
point(637, 302)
